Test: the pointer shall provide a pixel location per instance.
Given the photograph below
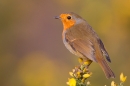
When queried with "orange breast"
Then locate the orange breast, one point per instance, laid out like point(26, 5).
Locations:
point(68, 24)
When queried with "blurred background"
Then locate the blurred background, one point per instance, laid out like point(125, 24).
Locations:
point(31, 49)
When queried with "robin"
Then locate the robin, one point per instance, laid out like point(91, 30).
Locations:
point(81, 40)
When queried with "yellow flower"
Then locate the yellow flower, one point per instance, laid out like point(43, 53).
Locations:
point(72, 82)
point(122, 77)
point(78, 74)
point(88, 62)
point(113, 83)
point(83, 80)
point(80, 60)
point(87, 75)
point(84, 70)
point(73, 70)
point(88, 82)
point(71, 74)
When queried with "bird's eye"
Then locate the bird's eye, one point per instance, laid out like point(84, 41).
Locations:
point(68, 17)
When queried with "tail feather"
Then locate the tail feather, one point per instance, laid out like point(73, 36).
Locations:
point(102, 62)
point(106, 69)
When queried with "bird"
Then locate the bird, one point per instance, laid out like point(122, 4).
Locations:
point(81, 40)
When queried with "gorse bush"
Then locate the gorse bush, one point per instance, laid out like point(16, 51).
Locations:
point(81, 74)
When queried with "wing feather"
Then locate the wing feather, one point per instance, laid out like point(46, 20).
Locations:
point(104, 50)
point(84, 47)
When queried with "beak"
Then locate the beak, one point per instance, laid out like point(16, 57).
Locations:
point(57, 17)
